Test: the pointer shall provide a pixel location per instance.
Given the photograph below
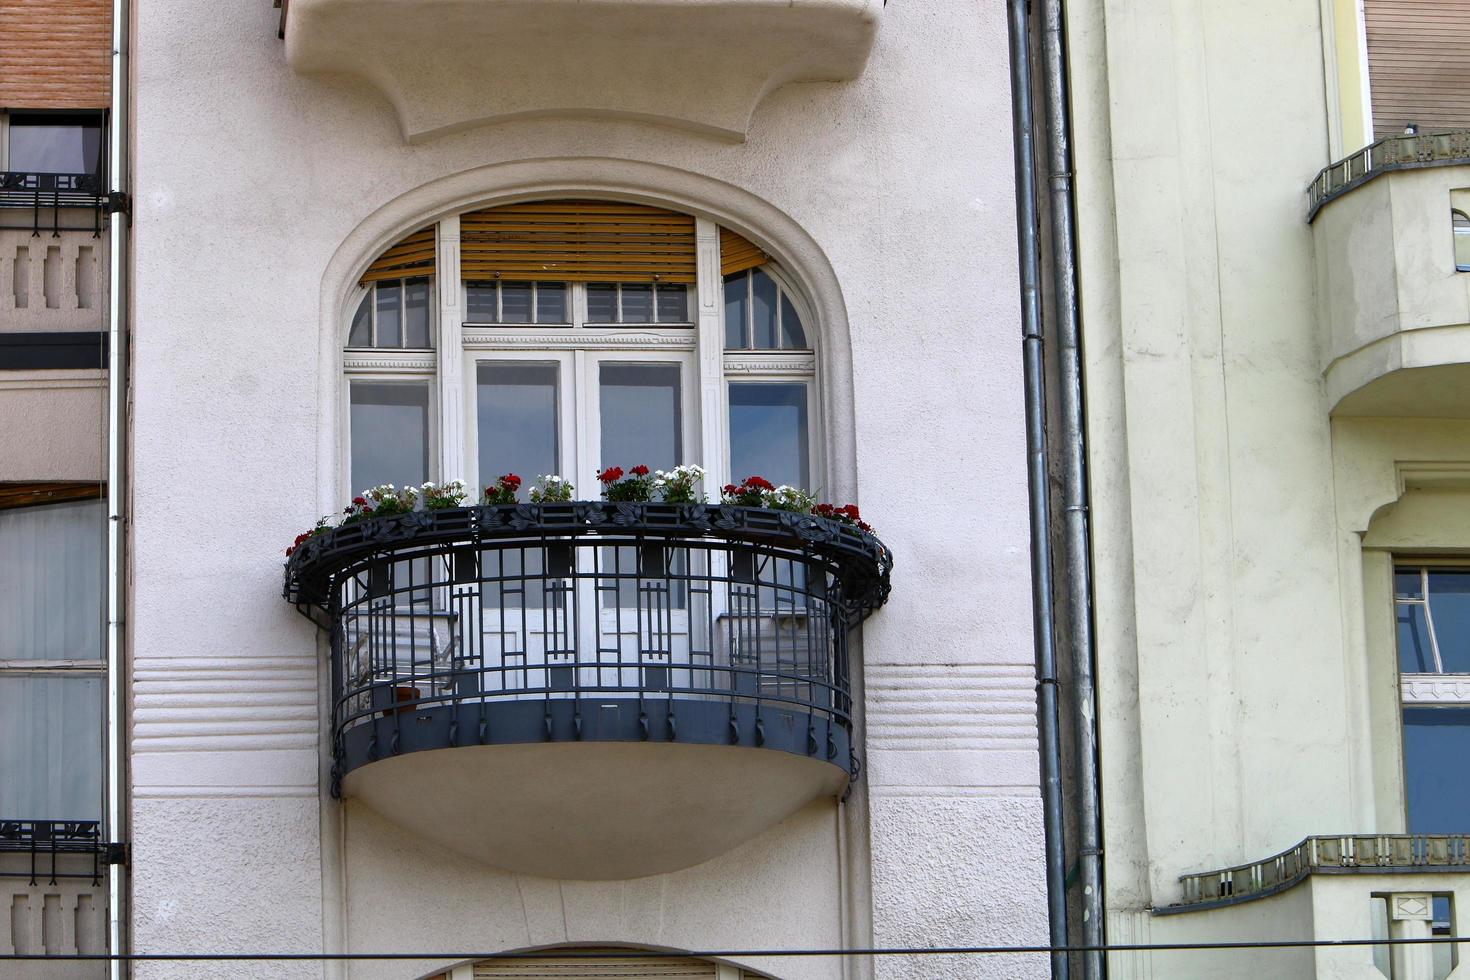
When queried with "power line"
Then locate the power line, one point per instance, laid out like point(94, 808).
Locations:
point(564, 954)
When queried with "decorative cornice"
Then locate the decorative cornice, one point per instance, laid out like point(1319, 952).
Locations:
point(1435, 688)
point(742, 364)
point(478, 338)
point(416, 363)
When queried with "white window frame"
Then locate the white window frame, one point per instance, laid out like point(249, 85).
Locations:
point(1438, 688)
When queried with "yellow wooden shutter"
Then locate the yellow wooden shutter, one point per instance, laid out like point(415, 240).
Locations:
point(413, 256)
point(577, 241)
point(55, 54)
point(738, 253)
point(1418, 64)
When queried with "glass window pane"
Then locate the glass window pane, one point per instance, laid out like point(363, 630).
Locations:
point(54, 145)
point(390, 324)
point(1461, 223)
point(736, 307)
point(602, 302)
point(1449, 606)
point(517, 405)
point(51, 560)
point(515, 302)
point(551, 302)
point(637, 302)
point(1436, 745)
point(1407, 583)
point(390, 433)
point(1415, 654)
point(793, 337)
point(673, 303)
point(51, 747)
point(640, 415)
point(480, 302)
point(361, 334)
point(416, 313)
point(763, 310)
point(768, 433)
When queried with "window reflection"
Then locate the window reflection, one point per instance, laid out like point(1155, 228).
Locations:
point(390, 433)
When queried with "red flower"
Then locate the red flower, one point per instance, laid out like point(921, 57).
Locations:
point(360, 501)
point(289, 550)
point(640, 470)
point(730, 489)
point(611, 475)
point(511, 481)
point(757, 483)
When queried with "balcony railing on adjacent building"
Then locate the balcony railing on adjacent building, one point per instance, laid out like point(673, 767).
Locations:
point(1407, 152)
point(44, 195)
point(654, 624)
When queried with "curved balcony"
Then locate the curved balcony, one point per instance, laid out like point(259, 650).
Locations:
point(591, 690)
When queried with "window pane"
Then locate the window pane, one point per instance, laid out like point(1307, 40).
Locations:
point(1436, 744)
point(1461, 223)
point(640, 415)
point(768, 433)
point(673, 303)
point(793, 337)
point(416, 313)
point(1449, 606)
point(54, 145)
point(480, 302)
point(551, 302)
point(637, 302)
point(602, 302)
point(736, 306)
point(515, 302)
point(763, 312)
point(1407, 584)
point(390, 326)
point(51, 560)
point(361, 334)
point(51, 747)
point(1415, 654)
point(390, 433)
point(518, 420)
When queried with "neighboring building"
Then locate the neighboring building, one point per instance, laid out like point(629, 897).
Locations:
point(1280, 465)
point(408, 242)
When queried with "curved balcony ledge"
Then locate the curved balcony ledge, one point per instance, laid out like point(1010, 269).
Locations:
point(1394, 311)
point(700, 64)
point(612, 690)
point(1365, 854)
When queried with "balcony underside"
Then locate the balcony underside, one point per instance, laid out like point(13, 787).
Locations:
point(607, 805)
point(699, 64)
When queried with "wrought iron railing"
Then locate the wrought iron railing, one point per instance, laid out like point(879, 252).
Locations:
point(57, 849)
point(1344, 854)
point(1408, 152)
point(590, 621)
point(44, 195)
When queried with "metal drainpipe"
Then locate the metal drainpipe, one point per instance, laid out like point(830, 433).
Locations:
point(1076, 530)
point(1043, 613)
point(117, 425)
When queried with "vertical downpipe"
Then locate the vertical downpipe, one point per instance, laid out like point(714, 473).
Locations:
point(117, 426)
point(1076, 529)
point(1043, 613)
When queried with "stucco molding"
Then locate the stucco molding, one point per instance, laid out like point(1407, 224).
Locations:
point(481, 339)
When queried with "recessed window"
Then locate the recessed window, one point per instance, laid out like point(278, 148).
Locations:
point(759, 314)
point(55, 143)
point(1460, 222)
point(395, 314)
point(517, 302)
point(389, 433)
point(637, 303)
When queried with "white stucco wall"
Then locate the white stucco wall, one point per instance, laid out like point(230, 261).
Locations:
point(895, 190)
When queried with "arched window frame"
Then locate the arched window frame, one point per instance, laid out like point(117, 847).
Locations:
point(711, 369)
point(1460, 229)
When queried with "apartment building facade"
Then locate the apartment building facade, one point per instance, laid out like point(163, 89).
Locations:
point(411, 243)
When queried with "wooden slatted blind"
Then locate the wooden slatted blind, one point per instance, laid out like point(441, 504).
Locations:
point(55, 54)
point(1418, 64)
point(738, 253)
point(618, 968)
point(577, 241)
point(15, 494)
point(413, 256)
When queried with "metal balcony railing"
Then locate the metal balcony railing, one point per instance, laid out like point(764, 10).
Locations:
point(44, 195)
point(1408, 152)
point(57, 849)
point(590, 621)
point(1343, 854)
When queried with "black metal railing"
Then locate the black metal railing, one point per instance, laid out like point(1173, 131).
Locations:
point(590, 621)
point(57, 849)
point(44, 195)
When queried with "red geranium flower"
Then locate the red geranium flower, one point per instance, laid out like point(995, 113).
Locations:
point(360, 501)
point(758, 483)
point(511, 480)
point(640, 470)
point(730, 488)
point(611, 475)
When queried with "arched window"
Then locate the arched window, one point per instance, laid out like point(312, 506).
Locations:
point(627, 964)
point(1460, 221)
point(569, 337)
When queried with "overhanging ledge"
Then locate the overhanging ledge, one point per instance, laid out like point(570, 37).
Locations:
point(697, 64)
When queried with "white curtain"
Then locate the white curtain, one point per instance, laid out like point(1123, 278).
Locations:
point(51, 561)
point(50, 747)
